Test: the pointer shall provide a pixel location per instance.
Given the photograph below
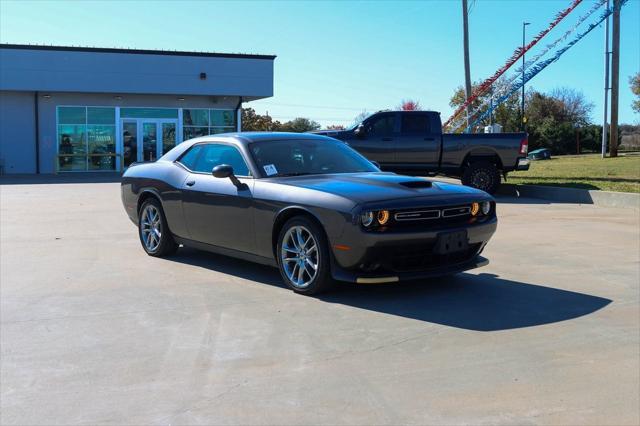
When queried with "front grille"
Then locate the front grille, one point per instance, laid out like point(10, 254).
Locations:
point(417, 215)
point(430, 217)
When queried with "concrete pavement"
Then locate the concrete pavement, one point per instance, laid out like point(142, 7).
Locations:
point(94, 331)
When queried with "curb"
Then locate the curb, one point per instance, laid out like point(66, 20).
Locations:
point(573, 195)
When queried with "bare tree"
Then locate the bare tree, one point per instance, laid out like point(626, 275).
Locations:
point(573, 104)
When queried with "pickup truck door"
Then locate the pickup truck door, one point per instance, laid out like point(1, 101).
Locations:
point(418, 144)
point(377, 141)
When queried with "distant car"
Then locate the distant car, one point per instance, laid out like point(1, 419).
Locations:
point(539, 154)
point(309, 205)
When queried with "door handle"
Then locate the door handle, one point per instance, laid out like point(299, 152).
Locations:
point(191, 183)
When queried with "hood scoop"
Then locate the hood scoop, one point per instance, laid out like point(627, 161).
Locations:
point(417, 184)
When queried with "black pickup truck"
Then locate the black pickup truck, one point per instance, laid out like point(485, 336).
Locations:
point(412, 142)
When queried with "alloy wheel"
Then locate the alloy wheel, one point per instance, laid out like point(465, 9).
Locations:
point(299, 256)
point(151, 228)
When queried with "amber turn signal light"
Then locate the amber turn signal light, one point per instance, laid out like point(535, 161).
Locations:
point(383, 217)
point(475, 208)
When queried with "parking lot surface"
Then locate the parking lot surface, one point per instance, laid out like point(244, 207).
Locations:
point(94, 331)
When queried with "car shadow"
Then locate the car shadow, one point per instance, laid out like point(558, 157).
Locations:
point(482, 302)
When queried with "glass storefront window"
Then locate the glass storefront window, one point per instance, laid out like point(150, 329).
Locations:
point(195, 117)
point(222, 118)
point(148, 113)
point(72, 115)
point(97, 115)
point(102, 146)
point(72, 148)
point(216, 130)
point(190, 132)
point(83, 146)
point(72, 139)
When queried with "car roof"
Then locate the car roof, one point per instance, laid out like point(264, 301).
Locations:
point(240, 138)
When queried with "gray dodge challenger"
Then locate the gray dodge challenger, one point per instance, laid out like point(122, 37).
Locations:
point(310, 206)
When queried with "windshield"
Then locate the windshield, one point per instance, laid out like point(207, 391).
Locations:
point(305, 157)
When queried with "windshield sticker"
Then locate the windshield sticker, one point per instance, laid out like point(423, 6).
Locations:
point(270, 170)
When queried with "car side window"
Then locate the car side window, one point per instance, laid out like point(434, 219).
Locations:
point(215, 155)
point(189, 158)
point(382, 126)
point(415, 124)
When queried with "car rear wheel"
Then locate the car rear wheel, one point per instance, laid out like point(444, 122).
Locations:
point(153, 231)
point(482, 175)
point(303, 256)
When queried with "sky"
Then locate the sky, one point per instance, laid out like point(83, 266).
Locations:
point(337, 59)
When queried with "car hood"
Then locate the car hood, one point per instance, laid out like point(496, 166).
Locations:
point(380, 187)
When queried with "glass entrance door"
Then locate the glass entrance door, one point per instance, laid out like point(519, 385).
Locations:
point(149, 141)
point(129, 142)
point(145, 139)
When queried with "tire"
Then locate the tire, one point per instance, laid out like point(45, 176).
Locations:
point(309, 281)
point(154, 245)
point(482, 175)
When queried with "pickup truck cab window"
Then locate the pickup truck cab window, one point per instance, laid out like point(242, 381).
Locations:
point(415, 124)
point(381, 126)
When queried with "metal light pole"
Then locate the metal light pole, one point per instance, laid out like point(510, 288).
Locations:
point(467, 69)
point(524, 26)
point(605, 127)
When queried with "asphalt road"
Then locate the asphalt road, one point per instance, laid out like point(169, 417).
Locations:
point(94, 331)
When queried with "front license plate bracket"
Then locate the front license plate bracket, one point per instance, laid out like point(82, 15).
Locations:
point(451, 242)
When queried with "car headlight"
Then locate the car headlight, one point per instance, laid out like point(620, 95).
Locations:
point(383, 217)
point(486, 207)
point(366, 218)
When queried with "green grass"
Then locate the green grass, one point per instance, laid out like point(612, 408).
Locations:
point(584, 171)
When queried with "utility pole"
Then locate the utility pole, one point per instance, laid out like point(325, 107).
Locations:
point(523, 120)
point(605, 126)
point(467, 69)
point(615, 78)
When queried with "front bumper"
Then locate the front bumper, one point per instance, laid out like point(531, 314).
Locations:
point(368, 278)
point(397, 256)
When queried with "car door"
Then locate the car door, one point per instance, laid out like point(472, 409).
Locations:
point(217, 211)
point(377, 137)
point(417, 145)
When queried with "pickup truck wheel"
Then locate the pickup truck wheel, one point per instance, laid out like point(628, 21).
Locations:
point(482, 175)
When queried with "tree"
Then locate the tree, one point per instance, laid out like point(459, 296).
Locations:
point(251, 121)
point(507, 114)
point(634, 82)
point(360, 118)
point(335, 127)
point(409, 105)
point(554, 119)
point(574, 107)
point(299, 125)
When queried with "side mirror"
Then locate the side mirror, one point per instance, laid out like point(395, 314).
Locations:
point(360, 132)
point(222, 171)
point(226, 171)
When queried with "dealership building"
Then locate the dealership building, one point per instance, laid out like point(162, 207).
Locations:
point(76, 109)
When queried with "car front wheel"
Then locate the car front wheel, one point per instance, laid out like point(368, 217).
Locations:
point(303, 256)
point(153, 230)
